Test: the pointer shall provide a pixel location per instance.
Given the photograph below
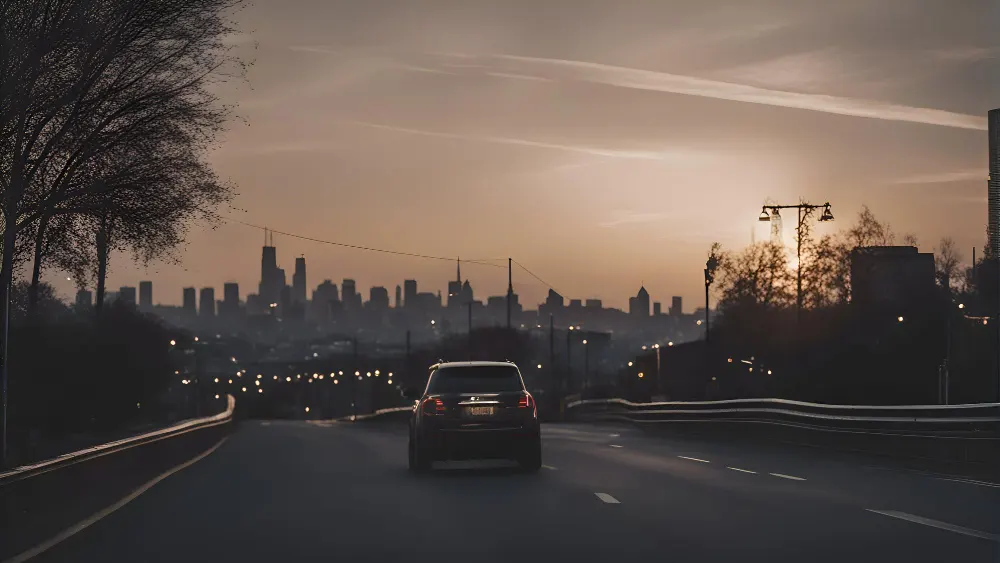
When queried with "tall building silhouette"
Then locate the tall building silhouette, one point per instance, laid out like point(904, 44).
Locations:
point(409, 292)
point(349, 295)
point(206, 306)
point(676, 305)
point(299, 281)
point(230, 300)
point(190, 301)
point(657, 309)
point(84, 299)
point(145, 296)
point(993, 183)
point(271, 277)
point(399, 297)
point(455, 287)
point(126, 295)
point(378, 298)
point(324, 300)
point(639, 305)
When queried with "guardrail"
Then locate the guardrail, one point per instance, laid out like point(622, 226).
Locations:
point(943, 433)
point(43, 499)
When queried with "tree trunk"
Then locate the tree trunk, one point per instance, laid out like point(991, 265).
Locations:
point(36, 270)
point(102, 263)
point(6, 279)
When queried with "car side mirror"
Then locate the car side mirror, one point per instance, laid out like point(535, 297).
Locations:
point(411, 393)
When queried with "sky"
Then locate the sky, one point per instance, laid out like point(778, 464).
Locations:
point(603, 145)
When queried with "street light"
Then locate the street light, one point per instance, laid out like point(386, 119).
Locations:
point(899, 318)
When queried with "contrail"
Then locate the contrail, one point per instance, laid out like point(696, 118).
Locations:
point(625, 77)
point(613, 153)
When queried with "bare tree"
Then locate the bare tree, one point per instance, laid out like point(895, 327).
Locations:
point(758, 276)
point(947, 261)
point(910, 239)
point(869, 231)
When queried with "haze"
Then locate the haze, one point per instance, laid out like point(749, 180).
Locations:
point(600, 144)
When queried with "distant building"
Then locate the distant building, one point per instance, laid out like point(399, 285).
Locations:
point(271, 278)
point(324, 300)
point(639, 305)
point(399, 297)
point(892, 278)
point(350, 296)
point(657, 309)
point(146, 296)
point(409, 292)
point(206, 304)
point(190, 301)
point(126, 294)
point(84, 299)
point(594, 304)
point(553, 304)
point(993, 182)
point(575, 303)
point(230, 305)
point(378, 298)
point(676, 306)
point(299, 281)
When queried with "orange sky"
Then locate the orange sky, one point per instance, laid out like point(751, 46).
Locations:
point(600, 144)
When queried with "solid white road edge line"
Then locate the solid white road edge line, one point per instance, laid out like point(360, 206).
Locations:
point(937, 524)
point(549, 467)
point(93, 519)
point(607, 498)
point(792, 477)
point(742, 470)
point(694, 459)
point(616, 446)
point(972, 482)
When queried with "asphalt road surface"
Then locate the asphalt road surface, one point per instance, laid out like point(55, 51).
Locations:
point(315, 491)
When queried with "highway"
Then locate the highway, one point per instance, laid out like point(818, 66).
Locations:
point(334, 491)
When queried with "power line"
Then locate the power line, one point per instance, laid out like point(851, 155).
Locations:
point(545, 283)
point(481, 261)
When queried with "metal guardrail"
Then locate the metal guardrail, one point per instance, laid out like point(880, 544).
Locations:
point(931, 419)
point(31, 470)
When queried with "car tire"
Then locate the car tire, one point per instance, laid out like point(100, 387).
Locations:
point(531, 459)
point(418, 460)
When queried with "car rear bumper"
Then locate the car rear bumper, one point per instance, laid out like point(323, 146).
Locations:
point(457, 443)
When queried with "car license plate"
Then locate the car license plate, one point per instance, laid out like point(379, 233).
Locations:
point(479, 411)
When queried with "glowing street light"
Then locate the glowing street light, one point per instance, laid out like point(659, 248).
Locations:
point(961, 305)
point(899, 318)
point(630, 364)
point(539, 366)
point(173, 343)
point(670, 343)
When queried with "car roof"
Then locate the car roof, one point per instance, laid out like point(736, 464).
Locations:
point(471, 364)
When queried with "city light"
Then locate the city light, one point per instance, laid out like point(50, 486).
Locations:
point(335, 382)
point(244, 389)
point(640, 375)
point(259, 376)
point(571, 328)
point(584, 340)
point(643, 346)
point(539, 366)
point(670, 343)
point(216, 379)
point(307, 409)
point(288, 379)
point(257, 383)
point(184, 381)
point(656, 346)
point(173, 343)
point(230, 381)
point(275, 377)
point(899, 318)
point(196, 339)
point(698, 322)
point(389, 382)
point(368, 374)
point(339, 373)
point(433, 321)
point(390, 374)
point(233, 359)
point(768, 372)
point(216, 395)
point(730, 360)
point(986, 321)
point(358, 373)
point(630, 364)
point(260, 390)
point(961, 305)
point(376, 373)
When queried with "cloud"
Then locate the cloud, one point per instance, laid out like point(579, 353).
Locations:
point(637, 79)
point(613, 153)
point(624, 217)
point(943, 177)
point(965, 54)
point(519, 76)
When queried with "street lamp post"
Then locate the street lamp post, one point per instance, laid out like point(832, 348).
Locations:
point(586, 363)
point(804, 211)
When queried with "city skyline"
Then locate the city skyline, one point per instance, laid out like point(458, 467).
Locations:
point(619, 151)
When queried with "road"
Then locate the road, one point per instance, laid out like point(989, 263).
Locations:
point(317, 491)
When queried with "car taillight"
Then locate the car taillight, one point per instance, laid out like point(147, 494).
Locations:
point(433, 406)
point(526, 402)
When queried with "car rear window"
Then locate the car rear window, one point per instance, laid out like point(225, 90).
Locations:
point(475, 379)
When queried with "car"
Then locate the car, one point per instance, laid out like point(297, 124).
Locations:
point(474, 410)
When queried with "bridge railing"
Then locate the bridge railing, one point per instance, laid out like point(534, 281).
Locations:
point(48, 498)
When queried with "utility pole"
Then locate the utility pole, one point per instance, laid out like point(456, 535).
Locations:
point(552, 350)
point(355, 376)
point(510, 289)
point(470, 331)
point(569, 358)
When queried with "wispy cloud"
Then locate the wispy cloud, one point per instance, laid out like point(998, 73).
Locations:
point(624, 217)
point(519, 76)
point(613, 153)
point(966, 54)
point(632, 78)
point(943, 177)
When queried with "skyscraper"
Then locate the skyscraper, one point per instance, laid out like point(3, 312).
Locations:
point(378, 298)
point(639, 305)
point(190, 301)
point(206, 307)
point(271, 278)
point(126, 294)
point(455, 288)
point(349, 294)
point(230, 300)
point(676, 305)
point(145, 296)
point(993, 183)
point(299, 281)
point(399, 297)
point(409, 292)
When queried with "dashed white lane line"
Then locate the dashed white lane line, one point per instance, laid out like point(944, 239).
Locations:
point(792, 477)
point(616, 446)
point(607, 498)
point(937, 524)
point(694, 459)
point(549, 467)
point(615, 435)
point(265, 423)
point(742, 470)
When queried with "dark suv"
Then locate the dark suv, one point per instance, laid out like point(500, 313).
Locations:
point(474, 410)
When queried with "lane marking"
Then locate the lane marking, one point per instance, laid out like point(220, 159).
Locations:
point(615, 435)
point(694, 459)
point(549, 467)
point(792, 477)
point(972, 482)
point(265, 423)
point(607, 498)
point(616, 446)
point(742, 470)
point(96, 517)
point(937, 524)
